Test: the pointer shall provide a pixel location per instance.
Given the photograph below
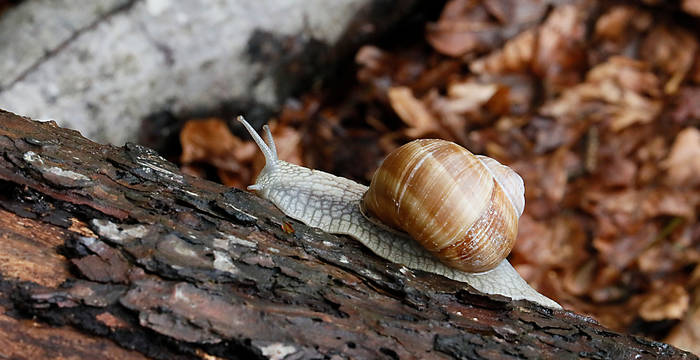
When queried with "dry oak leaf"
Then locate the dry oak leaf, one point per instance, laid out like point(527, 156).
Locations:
point(668, 303)
point(687, 105)
point(683, 162)
point(560, 52)
point(623, 248)
point(515, 56)
point(413, 112)
point(672, 202)
point(669, 255)
point(686, 335)
point(621, 89)
point(463, 27)
point(558, 241)
point(375, 65)
point(211, 141)
point(554, 50)
point(692, 7)
point(672, 50)
point(616, 211)
point(469, 96)
point(616, 23)
point(617, 171)
point(466, 27)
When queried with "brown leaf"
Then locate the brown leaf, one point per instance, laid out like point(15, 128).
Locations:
point(615, 211)
point(618, 31)
point(664, 257)
point(579, 279)
point(606, 287)
point(554, 182)
point(614, 24)
point(686, 335)
point(617, 172)
point(413, 112)
point(560, 53)
point(211, 141)
point(665, 201)
point(469, 96)
point(456, 38)
point(551, 242)
point(515, 56)
point(683, 162)
point(671, 302)
point(692, 7)
point(672, 50)
point(621, 249)
point(372, 62)
point(621, 89)
point(467, 27)
point(463, 27)
point(687, 105)
point(650, 154)
point(550, 135)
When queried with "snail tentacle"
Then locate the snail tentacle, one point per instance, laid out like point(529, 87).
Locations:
point(270, 141)
point(269, 151)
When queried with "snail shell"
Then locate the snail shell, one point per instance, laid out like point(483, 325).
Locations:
point(333, 204)
point(460, 207)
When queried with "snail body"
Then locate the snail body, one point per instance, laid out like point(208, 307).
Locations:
point(333, 204)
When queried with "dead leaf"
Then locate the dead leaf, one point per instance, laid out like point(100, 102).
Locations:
point(463, 27)
point(209, 141)
point(468, 27)
point(620, 89)
point(560, 53)
point(578, 280)
point(665, 201)
point(687, 105)
point(686, 335)
point(515, 56)
point(668, 303)
point(692, 7)
point(613, 24)
point(672, 50)
point(550, 242)
point(616, 211)
point(683, 162)
point(413, 113)
point(469, 96)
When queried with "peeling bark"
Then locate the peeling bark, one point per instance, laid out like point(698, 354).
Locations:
point(116, 243)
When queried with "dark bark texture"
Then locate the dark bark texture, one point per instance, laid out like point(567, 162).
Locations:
point(111, 252)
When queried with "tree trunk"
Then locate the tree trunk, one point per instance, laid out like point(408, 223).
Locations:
point(103, 245)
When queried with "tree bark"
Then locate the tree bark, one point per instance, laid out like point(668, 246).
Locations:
point(104, 246)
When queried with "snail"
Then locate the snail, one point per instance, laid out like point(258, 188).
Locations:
point(422, 195)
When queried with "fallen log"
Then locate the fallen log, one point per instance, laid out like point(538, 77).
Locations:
point(104, 246)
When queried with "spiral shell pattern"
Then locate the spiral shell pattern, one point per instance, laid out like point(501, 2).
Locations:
point(460, 207)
